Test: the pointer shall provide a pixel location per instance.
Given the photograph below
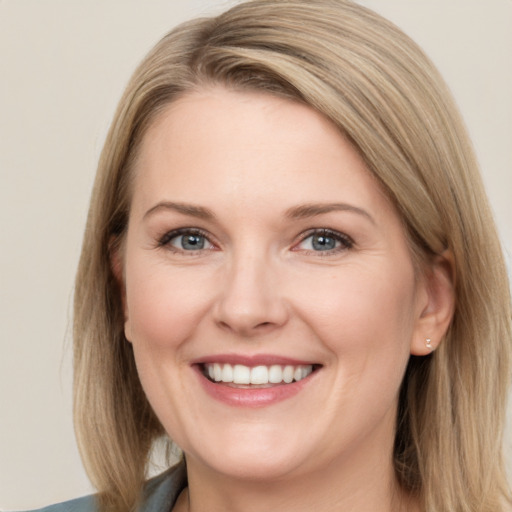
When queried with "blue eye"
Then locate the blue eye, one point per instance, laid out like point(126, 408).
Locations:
point(186, 240)
point(325, 241)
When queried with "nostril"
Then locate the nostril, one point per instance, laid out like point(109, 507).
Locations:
point(224, 325)
point(249, 315)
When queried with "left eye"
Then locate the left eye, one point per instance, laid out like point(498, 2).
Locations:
point(324, 241)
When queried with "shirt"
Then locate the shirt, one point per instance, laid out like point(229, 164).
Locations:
point(159, 495)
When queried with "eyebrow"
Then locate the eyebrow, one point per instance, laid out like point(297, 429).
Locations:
point(314, 209)
point(187, 209)
point(296, 212)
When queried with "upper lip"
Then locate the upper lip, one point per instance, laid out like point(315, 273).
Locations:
point(252, 360)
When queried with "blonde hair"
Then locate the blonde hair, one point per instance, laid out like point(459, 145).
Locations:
point(378, 87)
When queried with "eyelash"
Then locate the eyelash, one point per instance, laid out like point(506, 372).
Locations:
point(165, 240)
point(345, 241)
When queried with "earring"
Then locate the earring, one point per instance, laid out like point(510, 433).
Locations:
point(428, 343)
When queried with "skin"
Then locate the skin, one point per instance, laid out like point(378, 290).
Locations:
point(260, 287)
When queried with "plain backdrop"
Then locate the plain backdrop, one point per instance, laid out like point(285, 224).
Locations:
point(64, 64)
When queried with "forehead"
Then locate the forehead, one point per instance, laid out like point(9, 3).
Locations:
point(214, 145)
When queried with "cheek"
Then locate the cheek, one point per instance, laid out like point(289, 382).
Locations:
point(163, 304)
point(163, 308)
point(364, 312)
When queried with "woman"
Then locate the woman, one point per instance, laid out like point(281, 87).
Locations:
point(291, 270)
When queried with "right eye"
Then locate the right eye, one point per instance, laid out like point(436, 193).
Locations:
point(186, 240)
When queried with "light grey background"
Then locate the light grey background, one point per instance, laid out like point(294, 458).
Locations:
point(64, 64)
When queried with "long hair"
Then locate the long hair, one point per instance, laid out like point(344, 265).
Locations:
point(386, 97)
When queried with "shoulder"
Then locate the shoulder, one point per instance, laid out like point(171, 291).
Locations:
point(160, 494)
point(162, 491)
point(84, 504)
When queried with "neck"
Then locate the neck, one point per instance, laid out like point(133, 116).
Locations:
point(359, 482)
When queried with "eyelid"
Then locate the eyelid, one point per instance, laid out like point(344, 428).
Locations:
point(164, 240)
point(346, 241)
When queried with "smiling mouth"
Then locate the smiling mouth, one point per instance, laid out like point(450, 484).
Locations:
point(241, 376)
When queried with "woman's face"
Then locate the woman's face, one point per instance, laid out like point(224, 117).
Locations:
point(260, 250)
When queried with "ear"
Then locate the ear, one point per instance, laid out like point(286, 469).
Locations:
point(436, 304)
point(116, 249)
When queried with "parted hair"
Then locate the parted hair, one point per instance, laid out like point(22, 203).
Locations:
point(381, 91)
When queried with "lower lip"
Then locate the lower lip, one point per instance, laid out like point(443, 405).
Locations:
point(252, 397)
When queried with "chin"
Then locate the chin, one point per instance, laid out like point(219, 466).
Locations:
point(258, 468)
point(255, 459)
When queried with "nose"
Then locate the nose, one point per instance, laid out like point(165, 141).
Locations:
point(251, 301)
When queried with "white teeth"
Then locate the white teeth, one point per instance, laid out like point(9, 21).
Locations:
point(227, 373)
point(259, 375)
point(217, 372)
point(275, 374)
point(241, 374)
point(288, 374)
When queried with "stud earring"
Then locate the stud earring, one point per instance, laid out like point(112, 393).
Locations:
point(428, 343)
